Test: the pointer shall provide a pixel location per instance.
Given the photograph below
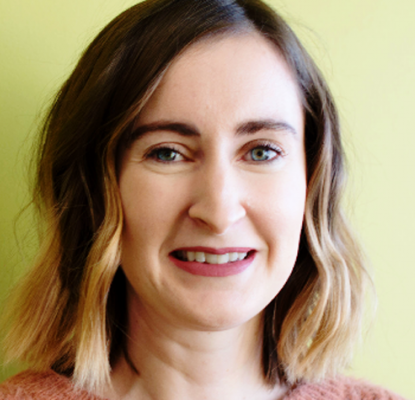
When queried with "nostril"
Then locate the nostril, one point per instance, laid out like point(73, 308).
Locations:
point(217, 217)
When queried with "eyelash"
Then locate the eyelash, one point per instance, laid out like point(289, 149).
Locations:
point(155, 153)
point(267, 146)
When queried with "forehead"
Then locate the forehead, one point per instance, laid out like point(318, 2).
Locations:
point(226, 78)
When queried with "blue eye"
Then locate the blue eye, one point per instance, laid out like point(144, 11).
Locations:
point(263, 153)
point(164, 154)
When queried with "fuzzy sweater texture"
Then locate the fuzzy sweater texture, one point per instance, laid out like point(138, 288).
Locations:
point(51, 386)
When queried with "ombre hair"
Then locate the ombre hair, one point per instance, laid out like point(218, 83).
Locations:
point(69, 313)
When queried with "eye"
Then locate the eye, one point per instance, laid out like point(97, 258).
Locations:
point(165, 154)
point(263, 153)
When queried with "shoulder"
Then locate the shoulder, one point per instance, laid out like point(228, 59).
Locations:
point(47, 385)
point(342, 388)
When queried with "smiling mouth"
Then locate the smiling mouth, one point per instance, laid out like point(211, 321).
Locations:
point(210, 258)
point(213, 262)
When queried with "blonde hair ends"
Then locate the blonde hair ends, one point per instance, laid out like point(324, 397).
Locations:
point(63, 315)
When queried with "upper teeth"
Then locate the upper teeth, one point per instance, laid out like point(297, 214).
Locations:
point(213, 258)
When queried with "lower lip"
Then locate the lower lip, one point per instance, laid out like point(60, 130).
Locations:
point(214, 270)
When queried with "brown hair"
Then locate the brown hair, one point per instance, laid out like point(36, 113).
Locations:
point(67, 313)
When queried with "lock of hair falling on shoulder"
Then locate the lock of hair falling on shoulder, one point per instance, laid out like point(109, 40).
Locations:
point(69, 314)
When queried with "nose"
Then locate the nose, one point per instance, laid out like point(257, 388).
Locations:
point(218, 198)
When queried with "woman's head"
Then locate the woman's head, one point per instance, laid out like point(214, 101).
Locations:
point(92, 126)
point(217, 167)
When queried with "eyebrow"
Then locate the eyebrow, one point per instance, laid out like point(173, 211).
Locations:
point(183, 129)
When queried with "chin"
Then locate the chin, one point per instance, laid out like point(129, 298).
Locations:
point(220, 311)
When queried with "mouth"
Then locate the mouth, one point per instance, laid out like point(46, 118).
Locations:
point(213, 262)
point(211, 258)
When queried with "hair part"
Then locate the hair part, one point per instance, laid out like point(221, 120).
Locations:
point(66, 314)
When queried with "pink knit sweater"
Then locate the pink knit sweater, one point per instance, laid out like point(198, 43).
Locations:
point(51, 386)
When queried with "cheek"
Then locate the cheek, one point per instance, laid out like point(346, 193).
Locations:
point(278, 209)
point(149, 211)
point(151, 207)
point(281, 222)
point(279, 200)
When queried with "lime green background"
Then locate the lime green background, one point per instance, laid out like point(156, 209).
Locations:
point(366, 49)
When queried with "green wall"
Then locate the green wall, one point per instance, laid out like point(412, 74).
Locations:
point(366, 49)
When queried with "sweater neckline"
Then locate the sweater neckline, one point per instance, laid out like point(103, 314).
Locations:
point(50, 385)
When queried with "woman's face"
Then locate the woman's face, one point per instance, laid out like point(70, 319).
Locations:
point(217, 173)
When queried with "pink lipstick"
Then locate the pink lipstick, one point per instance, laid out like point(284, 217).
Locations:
point(208, 261)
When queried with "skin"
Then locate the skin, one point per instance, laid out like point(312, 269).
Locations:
point(236, 181)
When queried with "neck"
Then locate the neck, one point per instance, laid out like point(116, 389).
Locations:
point(191, 363)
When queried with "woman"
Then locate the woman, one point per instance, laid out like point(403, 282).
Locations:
point(189, 179)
